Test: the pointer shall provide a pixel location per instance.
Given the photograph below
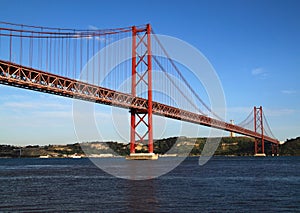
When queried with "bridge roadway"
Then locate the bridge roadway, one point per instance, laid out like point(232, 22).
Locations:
point(28, 78)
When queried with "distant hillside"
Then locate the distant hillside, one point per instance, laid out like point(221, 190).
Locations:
point(291, 147)
point(236, 146)
point(37, 151)
point(239, 146)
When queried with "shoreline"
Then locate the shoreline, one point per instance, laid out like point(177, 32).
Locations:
point(190, 156)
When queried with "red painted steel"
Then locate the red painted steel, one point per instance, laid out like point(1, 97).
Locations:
point(259, 144)
point(133, 91)
point(149, 60)
point(255, 126)
point(28, 78)
point(262, 130)
point(53, 46)
point(141, 37)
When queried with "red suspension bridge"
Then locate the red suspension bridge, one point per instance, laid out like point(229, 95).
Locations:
point(50, 60)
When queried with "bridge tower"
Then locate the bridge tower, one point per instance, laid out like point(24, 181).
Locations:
point(259, 143)
point(141, 74)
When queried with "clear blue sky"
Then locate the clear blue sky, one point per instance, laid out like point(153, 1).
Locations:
point(254, 46)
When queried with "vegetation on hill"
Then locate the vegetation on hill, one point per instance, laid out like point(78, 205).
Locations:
point(291, 147)
point(237, 146)
point(9, 151)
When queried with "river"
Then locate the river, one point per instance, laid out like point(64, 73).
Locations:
point(224, 184)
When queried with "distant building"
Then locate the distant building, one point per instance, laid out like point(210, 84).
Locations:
point(232, 134)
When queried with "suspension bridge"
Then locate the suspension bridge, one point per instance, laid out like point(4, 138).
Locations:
point(51, 60)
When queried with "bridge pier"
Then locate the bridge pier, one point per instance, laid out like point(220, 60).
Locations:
point(275, 149)
point(142, 156)
point(260, 155)
point(259, 148)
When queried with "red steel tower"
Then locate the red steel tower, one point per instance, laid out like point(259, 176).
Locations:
point(141, 74)
point(259, 144)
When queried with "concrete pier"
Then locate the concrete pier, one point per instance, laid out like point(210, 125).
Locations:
point(142, 156)
point(260, 155)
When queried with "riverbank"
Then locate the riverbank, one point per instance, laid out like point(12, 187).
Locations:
point(175, 146)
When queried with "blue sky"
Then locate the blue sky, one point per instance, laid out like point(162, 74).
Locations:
point(254, 47)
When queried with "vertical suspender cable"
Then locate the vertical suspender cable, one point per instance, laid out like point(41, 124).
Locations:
point(21, 46)
point(67, 56)
point(0, 44)
point(40, 48)
point(60, 55)
point(93, 68)
point(104, 61)
point(31, 50)
point(47, 52)
point(75, 61)
point(80, 68)
point(99, 58)
point(63, 61)
point(50, 52)
point(87, 57)
point(60, 72)
point(10, 45)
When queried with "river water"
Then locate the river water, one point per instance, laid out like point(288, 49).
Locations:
point(224, 184)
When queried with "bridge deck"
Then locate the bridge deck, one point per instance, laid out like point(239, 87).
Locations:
point(28, 78)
